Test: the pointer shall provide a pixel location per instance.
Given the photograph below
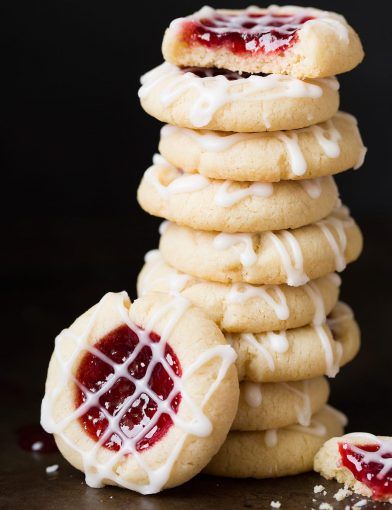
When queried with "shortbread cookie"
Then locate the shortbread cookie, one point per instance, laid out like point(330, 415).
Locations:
point(323, 149)
point(226, 206)
point(140, 395)
point(362, 461)
point(302, 42)
point(226, 101)
point(288, 256)
point(275, 405)
point(240, 306)
point(298, 354)
point(275, 452)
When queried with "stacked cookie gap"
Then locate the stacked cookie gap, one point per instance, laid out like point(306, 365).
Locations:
point(254, 229)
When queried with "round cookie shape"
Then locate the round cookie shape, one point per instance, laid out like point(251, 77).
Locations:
point(265, 406)
point(287, 256)
point(300, 353)
point(302, 42)
point(275, 452)
point(241, 307)
point(140, 396)
point(326, 148)
point(226, 206)
point(226, 101)
point(362, 461)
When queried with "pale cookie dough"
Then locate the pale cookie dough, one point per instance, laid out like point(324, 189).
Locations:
point(240, 306)
point(300, 353)
point(225, 206)
point(137, 342)
point(307, 43)
point(323, 149)
point(275, 405)
point(356, 474)
point(200, 98)
point(276, 452)
point(288, 256)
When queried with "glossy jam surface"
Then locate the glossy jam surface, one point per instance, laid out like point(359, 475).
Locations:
point(247, 32)
point(368, 471)
point(139, 419)
point(33, 438)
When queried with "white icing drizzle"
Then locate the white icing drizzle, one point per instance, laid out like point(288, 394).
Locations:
point(225, 198)
point(315, 296)
point(332, 361)
point(213, 92)
point(97, 470)
point(297, 159)
point(183, 183)
point(337, 221)
point(242, 292)
point(252, 393)
point(251, 339)
point(278, 341)
point(385, 447)
point(271, 438)
point(328, 137)
point(172, 279)
point(294, 269)
point(312, 187)
point(304, 411)
point(247, 253)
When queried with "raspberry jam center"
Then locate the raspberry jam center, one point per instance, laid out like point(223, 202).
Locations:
point(128, 386)
point(247, 32)
point(371, 470)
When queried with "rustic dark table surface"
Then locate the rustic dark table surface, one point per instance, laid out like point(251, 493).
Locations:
point(45, 293)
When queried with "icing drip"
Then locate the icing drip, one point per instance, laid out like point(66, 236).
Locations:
point(338, 242)
point(328, 137)
point(251, 340)
point(278, 341)
point(304, 412)
point(224, 198)
point(312, 187)
point(184, 183)
point(252, 393)
point(213, 92)
point(317, 299)
point(294, 270)
point(297, 159)
point(332, 361)
point(271, 438)
point(98, 468)
point(242, 292)
point(173, 280)
point(247, 254)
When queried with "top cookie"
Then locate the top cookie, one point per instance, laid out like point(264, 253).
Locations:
point(302, 42)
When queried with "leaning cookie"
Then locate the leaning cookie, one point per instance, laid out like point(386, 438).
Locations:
point(240, 306)
point(275, 452)
point(265, 406)
point(362, 461)
point(300, 353)
point(288, 256)
point(327, 148)
point(302, 42)
point(140, 395)
point(227, 101)
point(225, 206)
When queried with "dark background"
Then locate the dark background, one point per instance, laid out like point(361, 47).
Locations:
point(75, 144)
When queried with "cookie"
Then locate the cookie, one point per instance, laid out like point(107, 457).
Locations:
point(140, 395)
point(240, 306)
point(300, 353)
point(265, 406)
point(226, 101)
point(302, 42)
point(362, 461)
point(288, 256)
point(276, 452)
point(327, 148)
point(226, 206)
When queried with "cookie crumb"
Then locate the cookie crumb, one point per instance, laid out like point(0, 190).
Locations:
point(325, 506)
point(318, 488)
point(324, 493)
point(37, 446)
point(275, 504)
point(360, 504)
point(342, 494)
point(52, 469)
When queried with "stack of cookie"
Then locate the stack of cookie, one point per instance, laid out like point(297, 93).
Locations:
point(255, 228)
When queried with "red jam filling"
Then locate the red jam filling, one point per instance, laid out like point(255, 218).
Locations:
point(368, 473)
point(134, 408)
point(248, 32)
